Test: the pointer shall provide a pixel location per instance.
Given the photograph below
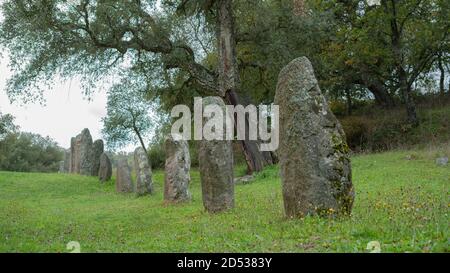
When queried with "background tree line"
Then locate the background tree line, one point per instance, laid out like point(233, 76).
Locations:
point(164, 53)
point(26, 152)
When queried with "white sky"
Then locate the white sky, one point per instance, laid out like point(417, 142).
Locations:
point(65, 114)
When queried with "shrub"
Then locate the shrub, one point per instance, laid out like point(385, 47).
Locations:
point(379, 129)
point(157, 156)
point(27, 152)
point(358, 131)
point(338, 107)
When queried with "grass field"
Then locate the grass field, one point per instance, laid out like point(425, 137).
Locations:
point(403, 204)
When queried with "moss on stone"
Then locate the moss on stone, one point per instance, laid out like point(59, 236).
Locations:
point(339, 145)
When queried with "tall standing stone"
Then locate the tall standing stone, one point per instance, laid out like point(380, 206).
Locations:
point(97, 151)
point(77, 154)
point(177, 168)
point(105, 169)
point(314, 156)
point(144, 184)
point(81, 153)
point(216, 168)
point(72, 167)
point(123, 180)
point(85, 153)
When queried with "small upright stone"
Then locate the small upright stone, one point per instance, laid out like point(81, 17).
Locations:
point(177, 168)
point(97, 151)
point(442, 161)
point(74, 155)
point(105, 169)
point(144, 184)
point(123, 180)
point(246, 179)
point(216, 168)
point(314, 156)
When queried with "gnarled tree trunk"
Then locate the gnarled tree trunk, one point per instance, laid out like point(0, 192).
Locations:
point(376, 87)
point(229, 81)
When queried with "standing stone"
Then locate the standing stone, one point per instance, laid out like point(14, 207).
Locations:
point(97, 151)
point(72, 155)
point(216, 168)
point(81, 153)
point(442, 161)
point(123, 180)
point(314, 156)
point(144, 184)
point(105, 168)
point(246, 179)
point(177, 167)
point(85, 153)
point(77, 155)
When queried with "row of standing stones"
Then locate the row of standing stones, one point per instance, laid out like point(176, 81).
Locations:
point(314, 157)
point(144, 183)
point(177, 173)
point(88, 158)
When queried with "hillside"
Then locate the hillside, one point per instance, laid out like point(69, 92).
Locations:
point(401, 201)
point(373, 129)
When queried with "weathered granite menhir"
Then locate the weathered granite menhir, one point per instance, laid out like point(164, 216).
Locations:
point(83, 157)
point(314, 156)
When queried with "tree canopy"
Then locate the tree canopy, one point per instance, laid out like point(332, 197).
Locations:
point(130, 118)
point(172, 43)
point(173, 50)
point(7, 125)
point(25, 152)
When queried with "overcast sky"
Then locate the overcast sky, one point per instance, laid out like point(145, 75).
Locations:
point(65, 114)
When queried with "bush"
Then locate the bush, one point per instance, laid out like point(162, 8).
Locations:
point(338, 107)
point(157, 156)
point(381, 129)
point(27, 152)
point(357, 131)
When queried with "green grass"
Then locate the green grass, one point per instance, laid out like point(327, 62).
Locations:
point(403, 204)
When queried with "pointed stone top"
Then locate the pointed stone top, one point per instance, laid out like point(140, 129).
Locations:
point(300, 69)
